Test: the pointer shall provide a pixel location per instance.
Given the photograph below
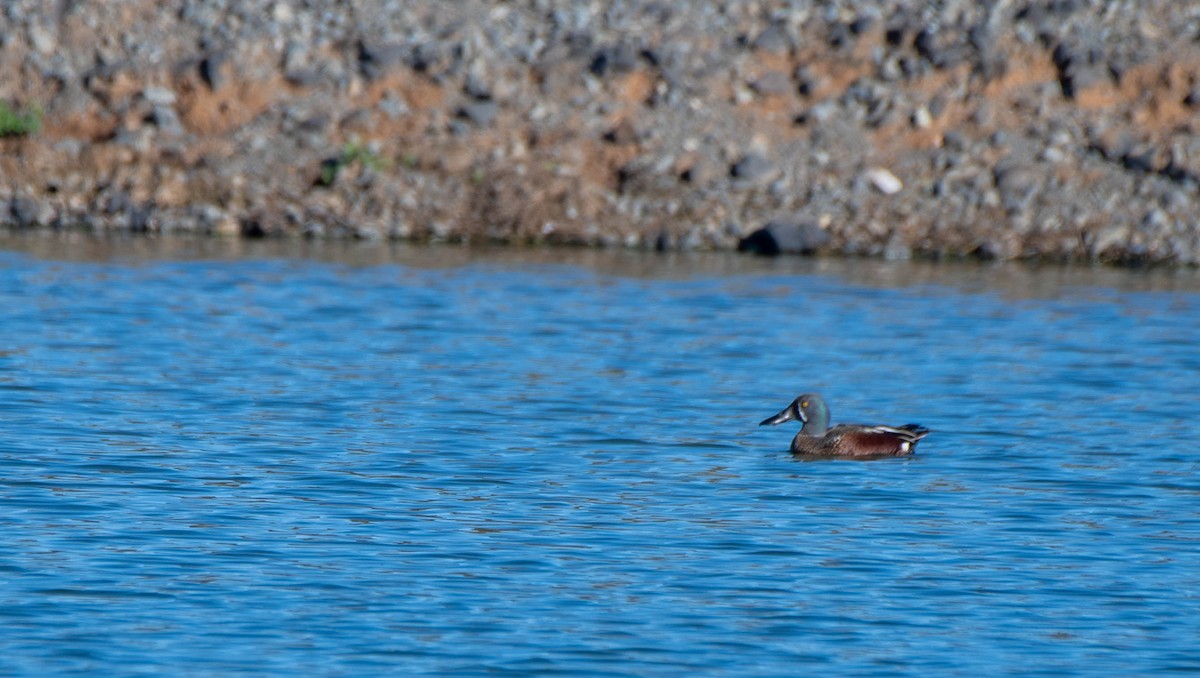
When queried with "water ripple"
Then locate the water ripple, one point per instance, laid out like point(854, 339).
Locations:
point(278, 465)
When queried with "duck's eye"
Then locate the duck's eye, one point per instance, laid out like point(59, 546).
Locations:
point(804, 404)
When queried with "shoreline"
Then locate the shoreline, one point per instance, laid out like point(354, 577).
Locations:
point(1043, 132)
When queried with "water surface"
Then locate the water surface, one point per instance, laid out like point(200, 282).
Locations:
point(226, 458)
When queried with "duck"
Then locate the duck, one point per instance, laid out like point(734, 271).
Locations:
point(817, 439)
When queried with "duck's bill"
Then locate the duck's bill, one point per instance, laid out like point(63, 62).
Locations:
point(783, 416)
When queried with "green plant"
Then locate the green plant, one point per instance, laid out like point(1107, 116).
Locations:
point(19, 123)
point(353, 152)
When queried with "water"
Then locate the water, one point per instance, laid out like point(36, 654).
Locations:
point(346, 460)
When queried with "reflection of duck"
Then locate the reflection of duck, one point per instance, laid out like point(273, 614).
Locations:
point(845, 440)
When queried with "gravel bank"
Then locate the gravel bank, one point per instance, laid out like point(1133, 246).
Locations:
point(1046, 129)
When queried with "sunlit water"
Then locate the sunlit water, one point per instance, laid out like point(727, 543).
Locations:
point(342, 462)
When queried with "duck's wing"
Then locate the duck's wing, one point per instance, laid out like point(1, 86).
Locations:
point(862, 440)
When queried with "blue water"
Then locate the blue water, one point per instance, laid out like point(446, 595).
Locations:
point(351, 462)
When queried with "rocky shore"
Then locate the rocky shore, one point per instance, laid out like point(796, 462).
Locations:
point(1039, 129)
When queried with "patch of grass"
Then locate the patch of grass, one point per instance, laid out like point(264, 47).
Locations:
point(15, 123)
point(353, 152)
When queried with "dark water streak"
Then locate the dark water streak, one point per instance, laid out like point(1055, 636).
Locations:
point(357, 459)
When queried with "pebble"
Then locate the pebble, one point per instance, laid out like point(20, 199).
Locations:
point(884, 181)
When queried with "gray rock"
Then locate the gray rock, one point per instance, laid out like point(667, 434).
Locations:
point(42, 39)
point(941, 48)
point(773, 83)
point(773, 39)
point(751, 167)
point(376, 60)
point(427, 57)
point(166, 120)
point(896, 249)
point(785, 237)
point(160, 96)
point(303, 77)
point(480, 113)
point(1018, 186)
point(357, 120)
point(1078, 68)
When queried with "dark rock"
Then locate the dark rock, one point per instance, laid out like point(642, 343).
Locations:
point(477, 89)
point(785, 237)
point(212, 69)
point(139, 220)
point(613, 60)
point(480, 113)
point(303, 77)
point(253, 228)
point(652, 57)
point(24, 211)
point(1175, 171)
point(839, 35)
point(989, 250)
point(1140, 159)
point(1037, 12)
point(319, 122)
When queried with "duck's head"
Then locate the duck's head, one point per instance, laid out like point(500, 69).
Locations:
point(810, 409)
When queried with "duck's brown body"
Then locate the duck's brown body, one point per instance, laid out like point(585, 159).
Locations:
point(858, 441)
point(852, 440)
